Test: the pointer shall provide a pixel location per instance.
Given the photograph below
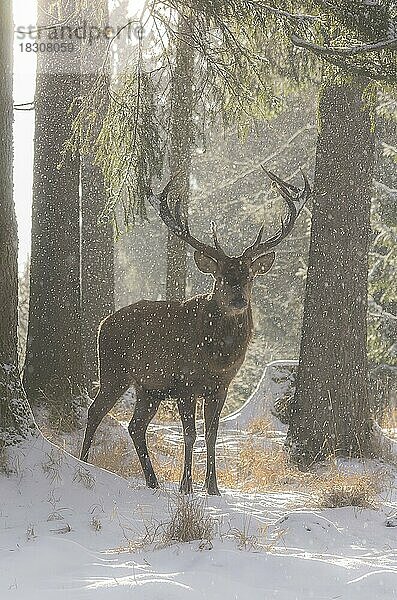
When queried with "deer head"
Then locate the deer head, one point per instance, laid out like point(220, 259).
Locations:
point(234, 275)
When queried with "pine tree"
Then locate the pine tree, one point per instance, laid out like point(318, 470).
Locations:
point(53, 369)
point(181, 139)
point(15, 418)
point(331, 412)
point(97, 239)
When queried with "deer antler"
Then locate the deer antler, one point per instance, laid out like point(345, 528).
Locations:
point(295, 199)
point(178, 224)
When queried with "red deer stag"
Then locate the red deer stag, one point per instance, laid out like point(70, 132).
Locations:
point(186, 350)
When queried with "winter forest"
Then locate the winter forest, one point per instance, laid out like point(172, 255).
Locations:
point(198, 294)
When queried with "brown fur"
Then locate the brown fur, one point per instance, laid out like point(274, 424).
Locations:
point(183, 350)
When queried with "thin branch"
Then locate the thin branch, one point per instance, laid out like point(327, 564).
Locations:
point(389, 44)
point(121, 29)
point(252, 6)
point(256, 166)
point(48, 27)
point(289, 16)
point(385, 188)
point(361, 71)
point(25, 106)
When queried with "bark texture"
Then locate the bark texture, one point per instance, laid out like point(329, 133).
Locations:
point(8, 226)
point(330, 411)
point(180, 155)
point(97, 239)
point(15, 417)
point(53, 368)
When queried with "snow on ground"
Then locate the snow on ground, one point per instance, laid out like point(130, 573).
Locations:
point(72, 531)
point(76, 532)
point(276, 383)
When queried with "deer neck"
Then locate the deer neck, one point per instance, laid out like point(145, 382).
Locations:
point(225, 337)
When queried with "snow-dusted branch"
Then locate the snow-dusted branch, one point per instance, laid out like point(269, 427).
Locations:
point(24, 106)
point(388, 44)
point(287, 15)
point(217, 10)
point(385, 188)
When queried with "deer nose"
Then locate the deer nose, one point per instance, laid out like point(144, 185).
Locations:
point(239, 303)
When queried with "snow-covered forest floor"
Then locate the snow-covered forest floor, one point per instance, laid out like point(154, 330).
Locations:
point(75, 531)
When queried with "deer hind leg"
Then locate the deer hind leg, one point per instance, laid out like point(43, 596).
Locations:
point(187, 412)
point(106, 398)
point(213, 405)
point(146, 406)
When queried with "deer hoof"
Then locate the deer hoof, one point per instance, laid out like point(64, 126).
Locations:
point(212, 489)
point(153, 484)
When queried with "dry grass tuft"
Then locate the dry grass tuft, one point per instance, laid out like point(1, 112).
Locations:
point(244, 539)
point(260, 426)
point(171, 468)
point(255, 468)
point(389, 421)
point(96, 524)
point(167, 412)
point(120, 458)
point(52, 466)
point(188, 521)
point(337, 490)
point(250, 468)
point(121, 412)
point(158, 444)
point(259, 469)
point(84, 477)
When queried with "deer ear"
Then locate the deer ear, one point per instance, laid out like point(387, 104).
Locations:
point(263, 264)
point(204, 263)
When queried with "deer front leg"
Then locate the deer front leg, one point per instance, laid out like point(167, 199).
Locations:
point(213, 404)
point(187, 412)
point(146, 406)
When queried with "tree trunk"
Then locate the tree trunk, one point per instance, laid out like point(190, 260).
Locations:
point(53, 368)
point(97, 240)
point(180, 155)
point(330, 411)
point(15, 417)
